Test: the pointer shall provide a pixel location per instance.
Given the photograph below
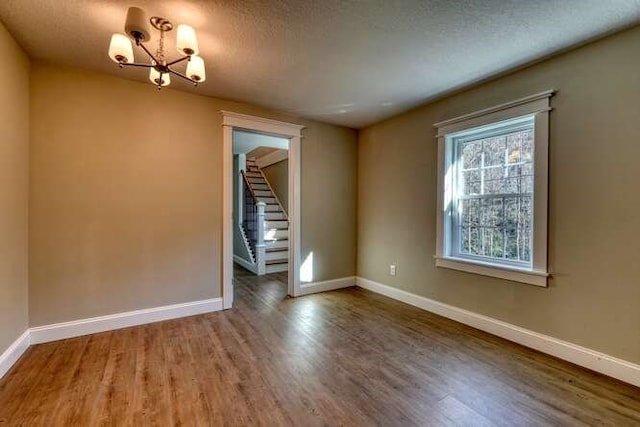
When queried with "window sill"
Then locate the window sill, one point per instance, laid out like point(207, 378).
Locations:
point(531, 277)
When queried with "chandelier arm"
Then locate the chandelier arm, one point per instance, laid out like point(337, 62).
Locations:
point(172, 71)
point(148, 53)
point(135, 64)
point(179, 60)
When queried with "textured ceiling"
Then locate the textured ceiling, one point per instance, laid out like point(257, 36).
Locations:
point(349, 62)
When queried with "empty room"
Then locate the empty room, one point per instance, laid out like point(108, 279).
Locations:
point(331, 213)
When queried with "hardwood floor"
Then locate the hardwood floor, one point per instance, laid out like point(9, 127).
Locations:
point(347, 357)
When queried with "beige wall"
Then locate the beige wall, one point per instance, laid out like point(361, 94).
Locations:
point(594, 294)
point(126, 195)
point(329, 173)
point(14, 190)
point(278, 176)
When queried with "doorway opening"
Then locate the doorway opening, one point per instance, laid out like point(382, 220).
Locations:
point(261, 208)
point(260, 198)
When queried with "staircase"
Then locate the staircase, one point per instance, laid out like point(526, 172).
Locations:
point(276, 223)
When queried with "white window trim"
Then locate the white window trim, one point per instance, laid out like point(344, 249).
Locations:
point(539, 106)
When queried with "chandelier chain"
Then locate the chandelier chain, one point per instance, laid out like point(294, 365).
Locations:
point(160, 51)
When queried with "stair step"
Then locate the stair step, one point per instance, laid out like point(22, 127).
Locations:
point(275, 216)
point(277, 244)
point(275, 234)
point(272, 208)
point(254, 180)
point(264, 193)
point(277, 256)
point(260, 187)
point(276, 261)
point(250, 174)
point(268, 200)
point(279, 224)
point(277, 268)
point(283, 249)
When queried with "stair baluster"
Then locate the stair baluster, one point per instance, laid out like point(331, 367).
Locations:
point(261, 248)
point(249, 215)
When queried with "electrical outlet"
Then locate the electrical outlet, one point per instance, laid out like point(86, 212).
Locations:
point(392, 270)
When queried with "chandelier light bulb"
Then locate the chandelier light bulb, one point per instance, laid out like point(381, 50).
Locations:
point(195, 69)
point(187, 42)
point(136, 25)
point(120, 49)
point(154, 76)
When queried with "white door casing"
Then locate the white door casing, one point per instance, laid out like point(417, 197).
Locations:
point(292, 132)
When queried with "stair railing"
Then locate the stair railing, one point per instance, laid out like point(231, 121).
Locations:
point(253, 223)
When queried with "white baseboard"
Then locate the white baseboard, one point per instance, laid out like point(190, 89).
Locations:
point(246, 264)
point(617, 368)
point(76, 328)
point(327, 285)
point(13, 353)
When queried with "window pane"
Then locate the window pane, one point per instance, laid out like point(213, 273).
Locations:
point(474, 241)
point(527, 146)
point(497, 165)
point(485, 212)
point(526, 178)
point(496, 213)
point(525, 254)
point(470, 212)
point(497, 243)
point(514, 147)
point(511, 212)
point(464, 240)
point(494, 151)
point(471, 153)
point(470, 240)
point(526, 229)
point(526, 210)
point(494, 180)
point(511, 246)
point(472, 182)
point(512, 185)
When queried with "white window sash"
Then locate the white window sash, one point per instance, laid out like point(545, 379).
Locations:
point(452, 242)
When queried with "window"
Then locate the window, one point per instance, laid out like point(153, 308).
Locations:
point(493, 191)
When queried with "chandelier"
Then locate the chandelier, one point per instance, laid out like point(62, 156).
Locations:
point(160, 69)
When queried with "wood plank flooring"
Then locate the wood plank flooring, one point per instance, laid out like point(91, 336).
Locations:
point(348, 357)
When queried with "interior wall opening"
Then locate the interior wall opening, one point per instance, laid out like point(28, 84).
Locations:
point(260, 208)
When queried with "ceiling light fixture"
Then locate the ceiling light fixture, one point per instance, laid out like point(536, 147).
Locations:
point(136, 27)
